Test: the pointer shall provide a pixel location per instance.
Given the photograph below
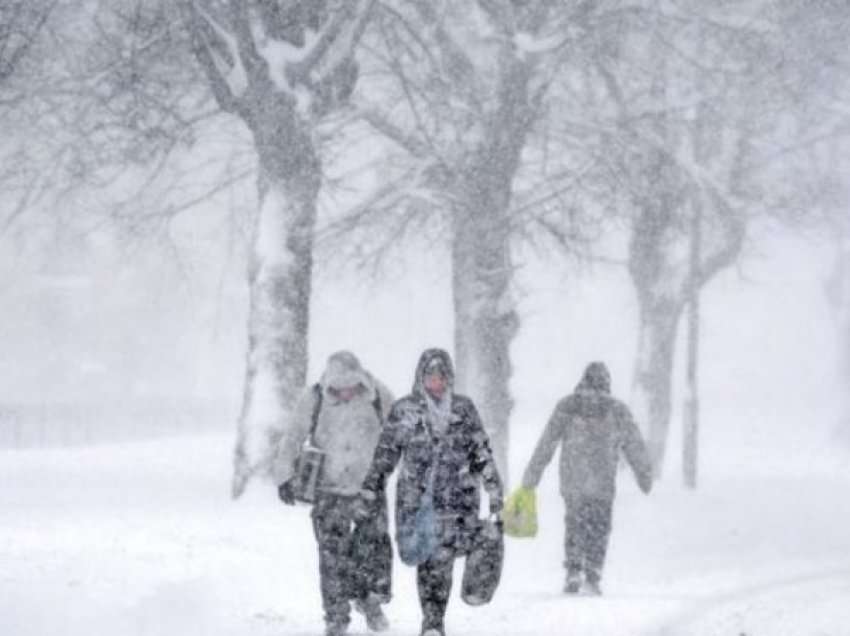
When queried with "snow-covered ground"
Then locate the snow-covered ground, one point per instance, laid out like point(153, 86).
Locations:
point(141, 538)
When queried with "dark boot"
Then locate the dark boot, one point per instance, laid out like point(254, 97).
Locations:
point(573, 585)
point(376, 621)
point(591, 585)
point(334, 628)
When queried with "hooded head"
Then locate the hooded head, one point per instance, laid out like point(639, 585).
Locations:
point(595, 378)
point(433, 361)
point(344, 376)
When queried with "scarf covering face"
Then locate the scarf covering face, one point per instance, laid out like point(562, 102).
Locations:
point(439, 411)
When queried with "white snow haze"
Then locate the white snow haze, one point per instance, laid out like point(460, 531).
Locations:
point(133, 531)
point(179, 181)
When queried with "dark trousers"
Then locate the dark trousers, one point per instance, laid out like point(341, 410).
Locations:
point(355, 561)
point(434, 576)
point(434, 582)
point(588, 522)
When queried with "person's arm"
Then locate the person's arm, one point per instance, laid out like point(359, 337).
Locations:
point(294, 436)
point(387, 452)
point(386, 398)
point(483, 461)
point(634, 448)
point(546, 445)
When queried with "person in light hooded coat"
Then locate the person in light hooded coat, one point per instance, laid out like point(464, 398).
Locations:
point(435, 431)
point(350, 407)
point(593, 429)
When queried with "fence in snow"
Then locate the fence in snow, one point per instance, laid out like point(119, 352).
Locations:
point(69, 424)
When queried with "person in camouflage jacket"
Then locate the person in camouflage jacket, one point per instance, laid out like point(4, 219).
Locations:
point(435, 428)
point(592, 429)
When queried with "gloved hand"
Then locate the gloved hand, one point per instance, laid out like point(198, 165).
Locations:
point(286, 493)
point(363, 507)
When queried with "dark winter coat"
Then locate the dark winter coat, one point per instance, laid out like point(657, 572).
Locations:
point(461, 457)
point(593, 429)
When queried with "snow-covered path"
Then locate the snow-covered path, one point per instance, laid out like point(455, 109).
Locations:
point(141, 539)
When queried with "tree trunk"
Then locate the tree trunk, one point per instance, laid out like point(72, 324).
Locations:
point(485, 319)
point(280, 283)
point(690, 428)
point(654, 372)
point(280, 98)
point(485, 316)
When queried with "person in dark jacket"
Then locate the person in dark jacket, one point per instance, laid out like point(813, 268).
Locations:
point(348, 408)
point(593, 429)
point(436, 433)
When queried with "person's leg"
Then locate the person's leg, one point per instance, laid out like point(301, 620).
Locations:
point(599, 513)
point(434, 582)
point(572, 550)
point(377, 567)
point(332, 527)
point(370, 567)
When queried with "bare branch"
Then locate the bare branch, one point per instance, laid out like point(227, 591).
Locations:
point(203, 29)
point(346, 24)
point(383, 125)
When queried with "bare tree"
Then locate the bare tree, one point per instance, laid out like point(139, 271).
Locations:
point(21, 27)
point(817, 72)
point(132, 87)
point(466, 85)
point(104, 120)
point(675, 106)
point(280, 67)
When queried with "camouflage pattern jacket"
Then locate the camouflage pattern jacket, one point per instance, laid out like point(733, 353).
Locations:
point(460, 457)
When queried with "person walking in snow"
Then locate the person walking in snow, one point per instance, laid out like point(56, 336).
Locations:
point(593, 429)
point(346, 411)
point(445, 457)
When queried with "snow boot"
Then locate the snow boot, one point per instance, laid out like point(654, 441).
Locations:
point(432, 629)
point(333, 628)
point(376, 621)
point(573, 583)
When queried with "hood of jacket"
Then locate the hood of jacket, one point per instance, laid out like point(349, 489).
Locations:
point(342, 370)
point(596, 378)
point(427, 360)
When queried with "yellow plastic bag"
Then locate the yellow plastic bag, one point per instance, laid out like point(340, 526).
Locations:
point(519, 515)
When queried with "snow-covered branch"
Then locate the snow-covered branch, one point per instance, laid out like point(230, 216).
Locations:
point(217, 51)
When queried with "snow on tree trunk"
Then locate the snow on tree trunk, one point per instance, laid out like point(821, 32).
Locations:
point(690, 420)
point(652, 391)
point(484, 310)
point(659, 269)
point(485, 320)
point(280, 69)
point(280, 282)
